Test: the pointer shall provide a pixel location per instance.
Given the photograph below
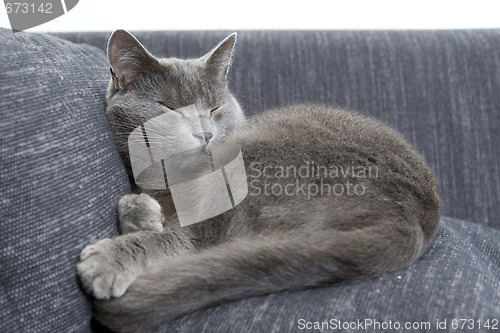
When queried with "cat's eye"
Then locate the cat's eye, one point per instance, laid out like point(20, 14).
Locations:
point(214, 112)
point(166, 105)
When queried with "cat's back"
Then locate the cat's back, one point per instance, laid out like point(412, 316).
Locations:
point(316, 122)
point(326, 133)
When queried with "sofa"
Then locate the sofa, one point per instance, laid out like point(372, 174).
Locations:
point(61, 175)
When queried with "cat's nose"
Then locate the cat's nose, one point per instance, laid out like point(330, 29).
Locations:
point(208, 136)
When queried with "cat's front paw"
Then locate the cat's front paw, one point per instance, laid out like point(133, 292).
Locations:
point(139, 212)
point(101, 274)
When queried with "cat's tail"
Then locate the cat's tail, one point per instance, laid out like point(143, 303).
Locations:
point(249, 267)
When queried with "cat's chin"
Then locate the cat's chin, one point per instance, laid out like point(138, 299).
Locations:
point(207, 148)
point(213, 146)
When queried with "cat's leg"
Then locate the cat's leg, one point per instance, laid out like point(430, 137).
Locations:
point(248, 267)
point(137, 212)
point(108, 267)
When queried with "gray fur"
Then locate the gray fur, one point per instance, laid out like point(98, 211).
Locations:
point(157, 271)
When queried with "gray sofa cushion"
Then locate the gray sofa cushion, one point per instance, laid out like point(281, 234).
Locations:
point(60, 178)
point(438, 88)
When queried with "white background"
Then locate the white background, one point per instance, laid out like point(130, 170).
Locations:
point(107, 15)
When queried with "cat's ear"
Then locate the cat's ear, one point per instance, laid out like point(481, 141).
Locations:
point(128, 59)
point(219, 59)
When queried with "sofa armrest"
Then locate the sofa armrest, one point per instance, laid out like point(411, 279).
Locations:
point(60, 178)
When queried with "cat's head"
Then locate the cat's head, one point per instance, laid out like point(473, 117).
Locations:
point(191, 95)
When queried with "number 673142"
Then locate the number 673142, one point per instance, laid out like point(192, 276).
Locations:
point(474, 324)
point(28, 8)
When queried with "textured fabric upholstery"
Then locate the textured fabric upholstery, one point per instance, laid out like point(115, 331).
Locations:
point(440, 89)
point(61, 176)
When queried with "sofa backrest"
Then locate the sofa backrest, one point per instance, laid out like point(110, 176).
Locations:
point(440, 89)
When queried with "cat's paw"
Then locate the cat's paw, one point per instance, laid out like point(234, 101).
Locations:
point(102, 275)
point(139, 212)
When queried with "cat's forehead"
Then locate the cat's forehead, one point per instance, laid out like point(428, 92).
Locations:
point(186, 81)
point(181, 67)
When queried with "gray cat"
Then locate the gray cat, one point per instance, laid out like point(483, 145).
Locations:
point(332, 196)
